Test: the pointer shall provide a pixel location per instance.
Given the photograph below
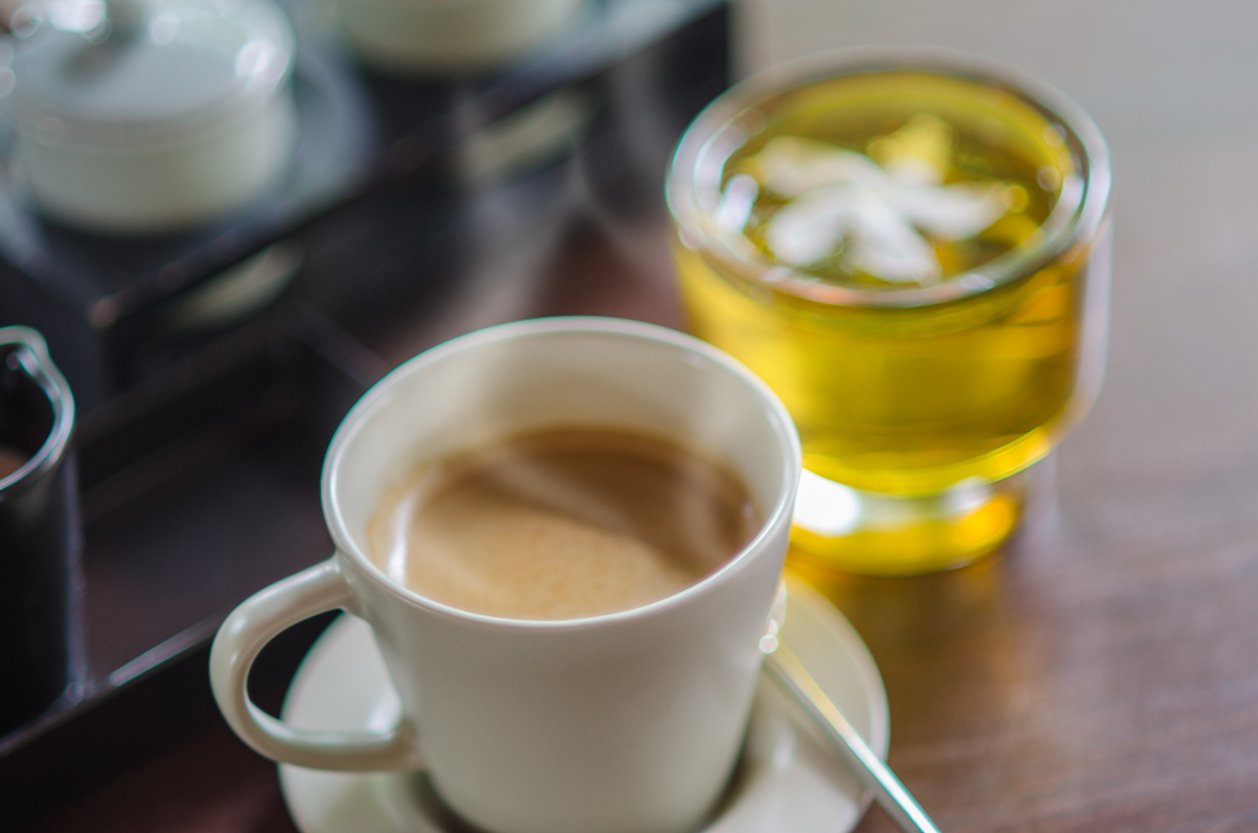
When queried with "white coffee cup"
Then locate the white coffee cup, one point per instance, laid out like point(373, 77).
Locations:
point(625, 722)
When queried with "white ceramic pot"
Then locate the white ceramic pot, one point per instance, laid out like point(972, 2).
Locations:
point(444, 36)
point(178, 121)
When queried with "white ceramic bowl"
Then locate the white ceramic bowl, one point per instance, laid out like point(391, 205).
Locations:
point(184, 119)
point(446, 36)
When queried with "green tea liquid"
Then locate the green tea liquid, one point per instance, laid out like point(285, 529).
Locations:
point(885, 184)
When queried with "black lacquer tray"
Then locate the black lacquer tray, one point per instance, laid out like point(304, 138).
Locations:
point(199, 451)
point(195, 492)
point(381, 167)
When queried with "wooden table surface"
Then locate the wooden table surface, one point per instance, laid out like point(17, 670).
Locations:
point(1101, 674)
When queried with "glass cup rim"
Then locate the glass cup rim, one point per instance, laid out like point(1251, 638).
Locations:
point(27, 347)
point(1068, 223)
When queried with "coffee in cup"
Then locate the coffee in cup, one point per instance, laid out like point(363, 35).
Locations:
point(11, 459)
point(561, 523)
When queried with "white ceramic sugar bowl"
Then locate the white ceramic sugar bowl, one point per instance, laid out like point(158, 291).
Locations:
point(148, 116)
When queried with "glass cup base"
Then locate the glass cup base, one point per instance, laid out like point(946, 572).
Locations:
point(840, 528)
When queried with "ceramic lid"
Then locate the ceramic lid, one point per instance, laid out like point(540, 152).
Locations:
point(168, 68)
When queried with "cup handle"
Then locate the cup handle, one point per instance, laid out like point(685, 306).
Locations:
point(240, 639)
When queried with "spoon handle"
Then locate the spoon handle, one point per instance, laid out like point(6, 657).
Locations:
point(788, 672)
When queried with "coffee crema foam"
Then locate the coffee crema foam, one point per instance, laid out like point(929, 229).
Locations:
point(561, 524)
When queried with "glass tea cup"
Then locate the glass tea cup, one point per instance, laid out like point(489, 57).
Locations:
point(41, 654)
point(911, 246)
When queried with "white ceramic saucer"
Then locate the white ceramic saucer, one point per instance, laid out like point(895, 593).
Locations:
point(788, 779)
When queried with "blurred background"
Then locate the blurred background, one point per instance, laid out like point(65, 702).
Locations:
point(1100, 675)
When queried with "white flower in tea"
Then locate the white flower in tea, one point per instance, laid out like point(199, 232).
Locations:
point(880, 214)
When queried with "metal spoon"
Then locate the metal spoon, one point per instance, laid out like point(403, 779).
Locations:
point(785, 669)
